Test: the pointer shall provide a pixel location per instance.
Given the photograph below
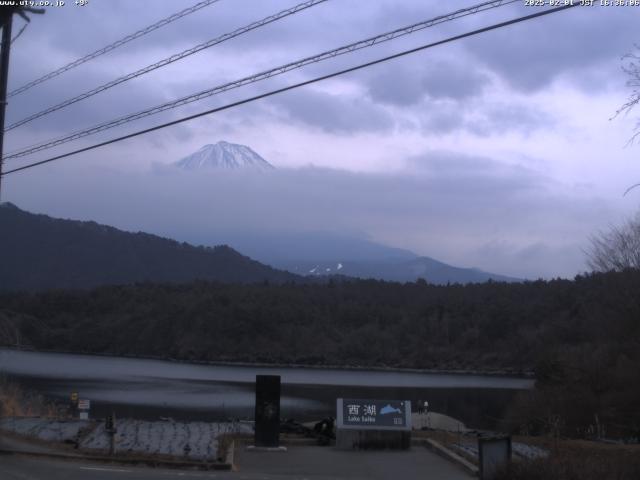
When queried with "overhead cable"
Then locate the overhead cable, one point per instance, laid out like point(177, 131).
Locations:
point(113, 46)
point(384, 37)
point(166, 61)
point(294, 86)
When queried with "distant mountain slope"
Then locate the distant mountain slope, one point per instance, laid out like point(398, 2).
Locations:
point(40, 252)
point(291, 247)
point(321, 253)
point(226, 156)
point(400, 270)
point(438, 272)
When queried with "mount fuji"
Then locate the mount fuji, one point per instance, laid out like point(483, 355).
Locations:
point(225, 156)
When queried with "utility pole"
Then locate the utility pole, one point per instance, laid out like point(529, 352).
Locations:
point(7, 20)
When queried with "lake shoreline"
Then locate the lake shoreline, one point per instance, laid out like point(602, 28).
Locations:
point(230, 363)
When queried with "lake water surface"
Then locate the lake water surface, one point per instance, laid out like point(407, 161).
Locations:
point(152, 388)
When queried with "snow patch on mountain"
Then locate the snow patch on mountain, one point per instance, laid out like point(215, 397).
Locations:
point(225, 156)
point(317, 270)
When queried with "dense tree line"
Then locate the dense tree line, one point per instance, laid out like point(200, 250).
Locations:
point(581, 336)
point(490, 325)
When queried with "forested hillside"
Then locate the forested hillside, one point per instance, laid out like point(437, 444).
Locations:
point(41, 252)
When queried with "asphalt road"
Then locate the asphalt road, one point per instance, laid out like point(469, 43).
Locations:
point(18, 467)
point(291, 465)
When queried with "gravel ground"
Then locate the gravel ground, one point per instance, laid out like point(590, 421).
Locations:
point(194, 440)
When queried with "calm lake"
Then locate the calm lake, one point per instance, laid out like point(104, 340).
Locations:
point(149, 389)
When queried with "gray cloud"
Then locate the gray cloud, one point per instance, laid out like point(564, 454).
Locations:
point(448, 80)
point(481, 118)
point(441, 117)
point(564, 257)
point(532, 54)
point(476, 172)
point(340, 114)
point(399, 86)
point(452, 207)
point(501, 117)
point(408, 85)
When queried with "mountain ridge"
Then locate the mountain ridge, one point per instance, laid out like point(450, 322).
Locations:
point(45, 252)
point(395, 270)
point(300, 253)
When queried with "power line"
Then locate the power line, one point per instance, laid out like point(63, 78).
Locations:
point(166, 61)
point(24, 27)
point(384, 37)
point(113, 46)
point(297, 85)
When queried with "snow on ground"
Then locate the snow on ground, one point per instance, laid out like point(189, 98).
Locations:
point(529, 451)
point(195, 440)
point(44, 429)
point(466, 448)
point(521, 449)
point(436, 421)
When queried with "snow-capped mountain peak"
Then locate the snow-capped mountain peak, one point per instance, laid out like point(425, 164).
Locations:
point(226, 156)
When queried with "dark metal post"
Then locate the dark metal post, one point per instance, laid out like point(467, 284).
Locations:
point(267, 415)
point(112, 443)
point(7, 21)
point(111, 429)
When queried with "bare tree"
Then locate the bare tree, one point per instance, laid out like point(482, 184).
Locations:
point(619, 248)
point(631, 66)
point(616, 249)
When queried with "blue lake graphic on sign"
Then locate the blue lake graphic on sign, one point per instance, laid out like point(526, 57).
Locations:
point(389, 409)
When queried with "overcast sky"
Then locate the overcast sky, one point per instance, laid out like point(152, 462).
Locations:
point(496, 151)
